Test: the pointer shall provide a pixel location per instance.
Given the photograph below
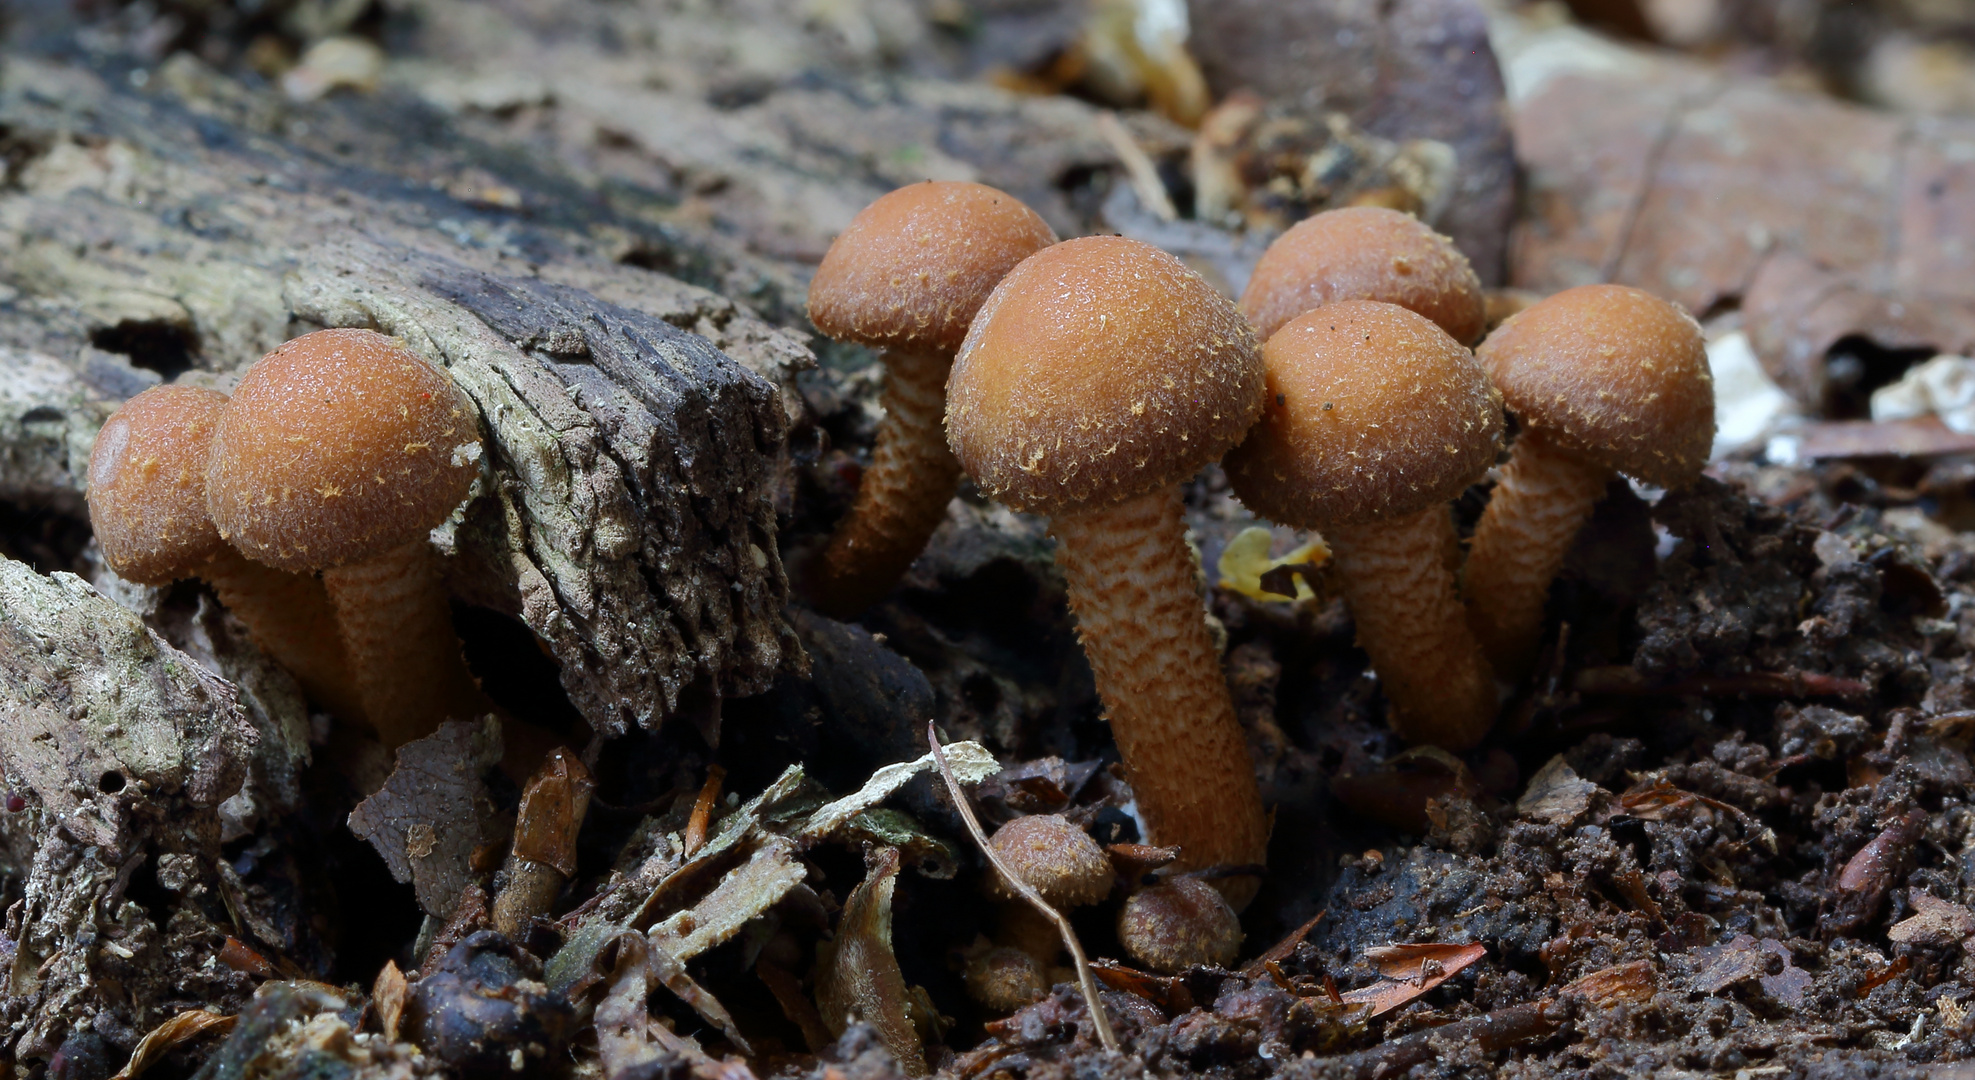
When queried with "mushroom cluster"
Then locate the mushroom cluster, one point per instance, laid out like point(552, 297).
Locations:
point(335, 456)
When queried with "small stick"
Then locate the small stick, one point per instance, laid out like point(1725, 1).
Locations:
point(698, 825)
point(1022, 888)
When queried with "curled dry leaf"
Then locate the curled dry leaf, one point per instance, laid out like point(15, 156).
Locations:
point(389, 994)
point(1411, 970)
point(170, 1035)
point(858, 976)
point(552, 811)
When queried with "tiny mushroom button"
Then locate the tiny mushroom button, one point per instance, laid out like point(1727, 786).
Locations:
point(147, 503)
point(1375, 420)
point(1606, 380)
point(340, 451)
point(906, 277)
point(1100, 375)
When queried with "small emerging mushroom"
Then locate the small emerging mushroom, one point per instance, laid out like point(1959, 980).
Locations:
point(1365, 253)
point(1179, 924)
point(147, 502)
point(1375, 420)
point(906, 277)
point(1606, 380)
point(340, 451)
point(1060, 861)
point(1100, 375)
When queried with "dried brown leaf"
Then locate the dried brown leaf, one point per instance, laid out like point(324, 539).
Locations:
point(746, 892)
point(552, 810)
point(859, 977)
point(1411, 970)
point(430, 815)
point(389, 994)
point(170, 1035)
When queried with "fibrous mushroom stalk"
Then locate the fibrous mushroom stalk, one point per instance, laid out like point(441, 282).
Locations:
point(404, 655)
point(292, 621)
point(904, 492)
point(1543, 499)
point(1130, 578)
point(1401, 594)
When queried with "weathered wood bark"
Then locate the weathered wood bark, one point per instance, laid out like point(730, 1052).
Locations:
point(626, 514)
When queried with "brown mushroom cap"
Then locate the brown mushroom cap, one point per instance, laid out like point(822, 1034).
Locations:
point(914, 267)
point(1373, 412)
point(1365, 253)
point(1056, 858)
point(1181, 924)
point(1100, 369)
point(1616, 374)
point(147, 484)
point(337, 446)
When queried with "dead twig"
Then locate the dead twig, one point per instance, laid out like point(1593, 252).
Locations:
point(1139, 169)
point(1021, 888)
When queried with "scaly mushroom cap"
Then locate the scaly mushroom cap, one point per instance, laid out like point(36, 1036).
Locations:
point(1181, 924)
point(1373, 412)
point(1100, 369)
point(914, 267)
point(1056, 858)
point(1365, 253)
point(147, 484)
point(337, 446)
point(1616, 374)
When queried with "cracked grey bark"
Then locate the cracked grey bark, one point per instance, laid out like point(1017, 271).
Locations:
point(122, 749)
point(635, 422)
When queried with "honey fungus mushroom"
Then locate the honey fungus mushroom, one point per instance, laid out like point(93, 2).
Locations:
point(147, 504)
point(1375, 420)
point(1365, 253)
point(1607, 381)
point(906, 277)
point(1100, 375)
point(339, 452)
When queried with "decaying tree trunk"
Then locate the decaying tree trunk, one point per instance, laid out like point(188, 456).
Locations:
point(626, 514)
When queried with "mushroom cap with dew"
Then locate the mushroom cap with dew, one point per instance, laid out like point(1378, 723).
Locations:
point(147, 484)
point(1614, 373)
point(1373, 412)
point(1057, 859)
point(336, 447)
point(1099, 370)
point(1365, 253)
point(913, 267)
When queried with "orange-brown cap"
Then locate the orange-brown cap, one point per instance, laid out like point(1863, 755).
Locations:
point(1057, 859)
point(1616, 374)
point(913, 268)
point(1365, 253)
point(147, 484)
point(1099, 370)
point(337, 446)
point(1372, 412)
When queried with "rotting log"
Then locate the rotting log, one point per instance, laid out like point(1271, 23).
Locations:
point(635, 422)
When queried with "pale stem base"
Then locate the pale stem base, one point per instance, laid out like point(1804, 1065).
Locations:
point(1401, 593)
point(1543, 500)
point(404, 655)
point(291, 620)
point(1144, 628)
point(904, 493)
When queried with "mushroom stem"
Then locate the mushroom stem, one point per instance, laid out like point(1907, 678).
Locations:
point(1139, 613)
point(904, 493)
point(1410, 621)
point(1545, 496)
point(291, 620)
point(404, 654)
